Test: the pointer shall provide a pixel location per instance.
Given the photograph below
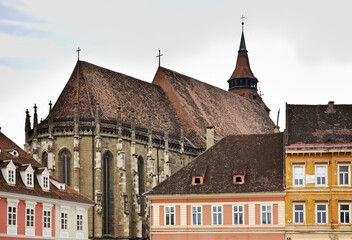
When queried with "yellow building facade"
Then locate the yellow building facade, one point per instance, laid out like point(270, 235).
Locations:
point(318, 172)
point(319, 193)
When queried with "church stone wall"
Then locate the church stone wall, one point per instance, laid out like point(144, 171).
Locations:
point(127, 218)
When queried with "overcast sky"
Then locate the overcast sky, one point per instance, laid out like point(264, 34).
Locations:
point(300, 51)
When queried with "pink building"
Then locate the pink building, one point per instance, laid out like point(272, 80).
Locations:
point(33, 205)
point(234, 190)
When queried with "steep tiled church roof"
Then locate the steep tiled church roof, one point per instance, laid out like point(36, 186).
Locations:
point(318, 124)
point(200, 105)
point(172, 96)
point(259, 157)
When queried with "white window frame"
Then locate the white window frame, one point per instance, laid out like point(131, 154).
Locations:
point(195, 213)
point(64, 221)
point(30, 230)
point(348, 172)
point(29, 179)
point(325, 176)
point(12, 203)
point(349, 213)
point(294, 175)
point(239, 213)
point(79, 233)
point(46, 229)
point(171, 215)
point(217, 213)
point(266, 212)
point(46, 182)
point(294, 213)
point(11, 176)
point(326, 212)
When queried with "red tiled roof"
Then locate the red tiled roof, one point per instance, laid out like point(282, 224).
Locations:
point(23, 159)
point(172, 96)
point(313, 124)
point(200, 105)
point(243, 69)
point(260, 157)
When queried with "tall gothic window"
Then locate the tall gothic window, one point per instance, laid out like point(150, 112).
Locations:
point(141, 187)
point(45, 159)
point(65, 160)
point(107, 194)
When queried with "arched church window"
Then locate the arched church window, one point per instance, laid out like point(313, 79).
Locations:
point(45, 159)
point(65, 161)
point(141, 187)
point(141, 175)
point(107, 193)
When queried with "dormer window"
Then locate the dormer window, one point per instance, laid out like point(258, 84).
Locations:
point(26, 172)
point(13, 152)
point(43, 178)
point(197, 180)
point(8, 170)
point(238, 179)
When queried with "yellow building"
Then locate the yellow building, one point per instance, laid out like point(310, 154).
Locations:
point(318, 171)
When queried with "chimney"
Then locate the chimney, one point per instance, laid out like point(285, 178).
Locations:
point(210, 135)
point(331, 107)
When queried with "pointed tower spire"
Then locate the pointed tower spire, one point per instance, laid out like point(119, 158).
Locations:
point(242, 81)
point(243, 42)
point(35, 121)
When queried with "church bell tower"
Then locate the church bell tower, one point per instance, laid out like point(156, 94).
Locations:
point(242, 81)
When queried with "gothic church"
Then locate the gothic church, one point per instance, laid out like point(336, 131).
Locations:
point(113, 137)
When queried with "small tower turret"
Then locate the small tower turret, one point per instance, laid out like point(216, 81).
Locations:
point(35, 121)
point(242, 81)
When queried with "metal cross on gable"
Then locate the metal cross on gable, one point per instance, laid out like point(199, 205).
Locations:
point(159, 56)
point(78, 50)
point(242, 22)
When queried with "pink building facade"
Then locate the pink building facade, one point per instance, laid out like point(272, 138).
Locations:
point(33, 205)
point(234, 190)
point(219, 216)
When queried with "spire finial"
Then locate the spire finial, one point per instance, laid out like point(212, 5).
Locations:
point(243, 43)
point(159, 56)
point(78, 50)
point(50, 106)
